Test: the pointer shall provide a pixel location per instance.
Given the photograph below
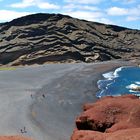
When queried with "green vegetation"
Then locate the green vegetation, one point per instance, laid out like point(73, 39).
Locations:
point(7, 68)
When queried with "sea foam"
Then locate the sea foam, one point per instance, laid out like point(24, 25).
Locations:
point(124, 80)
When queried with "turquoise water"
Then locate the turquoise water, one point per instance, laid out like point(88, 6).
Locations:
point(119, 82)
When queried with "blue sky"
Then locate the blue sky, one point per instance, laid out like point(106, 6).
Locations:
point(118, 12)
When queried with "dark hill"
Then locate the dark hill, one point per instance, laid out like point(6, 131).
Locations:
point(45, 38)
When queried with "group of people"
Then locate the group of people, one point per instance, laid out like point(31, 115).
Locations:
point(23, 130)
point(43, 95)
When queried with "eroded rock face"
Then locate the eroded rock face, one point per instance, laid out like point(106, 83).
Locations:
point(13, 138)
point(47, 38)
point(109, 117)
point(127, 134)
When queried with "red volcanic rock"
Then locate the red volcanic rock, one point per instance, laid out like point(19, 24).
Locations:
point(127, 134)
point(87, 135)
point(13, 138)
point(110, 114)
point(115, 116)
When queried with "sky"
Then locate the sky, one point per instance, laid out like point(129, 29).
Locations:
point(117, 12)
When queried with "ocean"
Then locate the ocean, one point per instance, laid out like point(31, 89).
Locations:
point(123, 80)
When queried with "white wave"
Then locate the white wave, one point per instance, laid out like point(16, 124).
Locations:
point(108, 75)
point(137, 82)
point(132, 86)
point(98, 84)
point(137, 95)
point(111, 75)
point(116, 71)
point(132, 91)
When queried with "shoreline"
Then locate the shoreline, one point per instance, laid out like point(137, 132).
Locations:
point(112, 77)
point(91, 72)
point(66, 87)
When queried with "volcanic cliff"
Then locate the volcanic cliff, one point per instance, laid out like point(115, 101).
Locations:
point(110, 118)
point(52, 38)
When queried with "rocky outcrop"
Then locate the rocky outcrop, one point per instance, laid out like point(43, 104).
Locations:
point(128, 134)
point(110, 118)
point(13, 138)
point(47, 38)
point(135, 88)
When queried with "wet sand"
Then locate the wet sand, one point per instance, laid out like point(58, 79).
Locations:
point(42, 101)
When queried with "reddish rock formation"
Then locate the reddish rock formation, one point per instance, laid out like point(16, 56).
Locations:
point(126, 134)
point(115, 116)
point(13, 138)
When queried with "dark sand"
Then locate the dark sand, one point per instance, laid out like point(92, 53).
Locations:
point(46, 99)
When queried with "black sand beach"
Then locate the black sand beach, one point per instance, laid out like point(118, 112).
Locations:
point(45, 100)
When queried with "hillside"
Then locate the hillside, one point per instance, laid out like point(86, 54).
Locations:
point(55, 38)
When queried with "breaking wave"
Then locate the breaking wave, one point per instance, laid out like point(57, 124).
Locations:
point(124, 80)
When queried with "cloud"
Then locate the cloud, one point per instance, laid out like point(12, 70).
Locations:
point(130, 13)
point(90, 16)
point(23, 4)
point(129, 1)
point(85, 11)
point(84, 1)
point(46, 5)
point(11, 15)
point(105, 20)
point(131, 18)
point(71, 7)
point(125, 1)
point(37, 3)
point(116, 11)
